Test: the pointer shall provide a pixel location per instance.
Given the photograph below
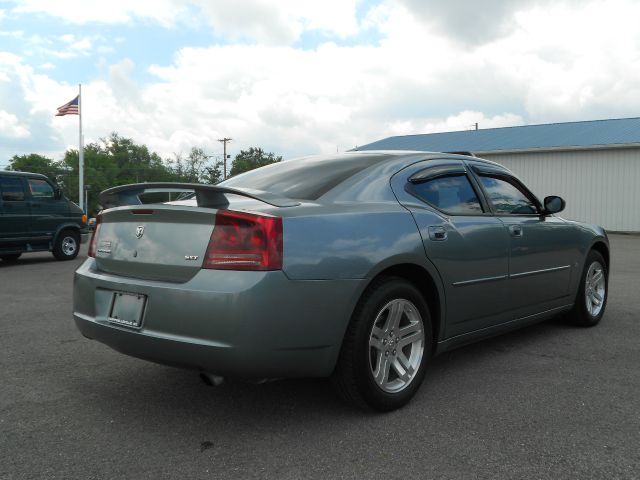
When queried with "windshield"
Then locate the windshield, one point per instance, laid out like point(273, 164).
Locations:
point(304, 178)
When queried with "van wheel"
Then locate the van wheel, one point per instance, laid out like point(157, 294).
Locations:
point(12, 257)
point(67, 245)
point(386, 348)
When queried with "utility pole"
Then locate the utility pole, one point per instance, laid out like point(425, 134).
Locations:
point(224, 142)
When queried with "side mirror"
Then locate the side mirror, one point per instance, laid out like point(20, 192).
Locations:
point(553, 204)
point(57, 193)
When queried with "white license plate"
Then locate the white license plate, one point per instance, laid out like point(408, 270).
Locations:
point(127, 309)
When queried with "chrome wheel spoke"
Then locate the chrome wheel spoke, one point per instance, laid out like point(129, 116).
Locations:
point(404, 362)
point(382, 373)
point(409, 329)
point(596, 298)
point(395, 315)
point(376, 343)
point(405, 372)
point(412, 337)
point(377, 333)
point(597, 276)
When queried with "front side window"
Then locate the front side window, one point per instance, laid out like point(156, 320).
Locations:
point(451, 194)
point(40, 188)
point(11, 188)
point(507, 197)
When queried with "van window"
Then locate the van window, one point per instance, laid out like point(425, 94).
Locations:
point(40, 188)
point(11, 188)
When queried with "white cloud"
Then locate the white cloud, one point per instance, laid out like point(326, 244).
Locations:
point(10, 127)
point(549, 65)
point(114, 11)
point(280, 22)
point(462, 121)
point(265, 21)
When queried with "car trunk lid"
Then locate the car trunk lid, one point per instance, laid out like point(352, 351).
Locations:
point(154, 242)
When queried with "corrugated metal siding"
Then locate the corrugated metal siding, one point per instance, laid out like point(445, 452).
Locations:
point(600, 186)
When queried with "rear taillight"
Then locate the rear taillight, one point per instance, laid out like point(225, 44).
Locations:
point(244, 241)
point(94, 237)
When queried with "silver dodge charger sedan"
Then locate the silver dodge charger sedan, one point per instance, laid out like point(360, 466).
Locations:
point(360, 266)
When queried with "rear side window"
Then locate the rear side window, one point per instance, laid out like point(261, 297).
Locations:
point(40, 188)
point(304, 179)
point(507, 197)
point(11, 188)
point(451, 194)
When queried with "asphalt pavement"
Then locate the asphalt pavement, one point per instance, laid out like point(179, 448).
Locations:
point(547, 402)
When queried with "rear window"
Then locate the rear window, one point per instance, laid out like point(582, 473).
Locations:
point(305, 178)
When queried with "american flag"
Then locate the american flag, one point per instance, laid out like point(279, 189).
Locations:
point(69, 108)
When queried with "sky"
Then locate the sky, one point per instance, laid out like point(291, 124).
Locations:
point(300, 77)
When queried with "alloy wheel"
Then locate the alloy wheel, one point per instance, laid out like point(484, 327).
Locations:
point(595, 289)
point(396, 345)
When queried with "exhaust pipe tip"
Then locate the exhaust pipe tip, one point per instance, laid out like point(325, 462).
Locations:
point(211, 379)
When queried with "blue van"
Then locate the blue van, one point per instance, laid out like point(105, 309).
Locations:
point(36, 217)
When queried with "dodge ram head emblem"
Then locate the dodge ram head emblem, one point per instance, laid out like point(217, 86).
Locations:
point(139, 231)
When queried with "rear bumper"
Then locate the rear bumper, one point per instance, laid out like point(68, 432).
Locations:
point(247, 324)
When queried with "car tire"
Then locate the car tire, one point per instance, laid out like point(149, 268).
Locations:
point(386, 348)
point(11, 257)
point(593, 291)
point(67, 245)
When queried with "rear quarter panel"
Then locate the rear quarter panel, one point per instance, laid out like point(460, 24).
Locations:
point(349, 241)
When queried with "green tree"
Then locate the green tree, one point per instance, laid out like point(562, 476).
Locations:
point(36, 164)
point(253, 158)
point(113, 161)
point(116, 160)
point(195, 167)
point(213, 175)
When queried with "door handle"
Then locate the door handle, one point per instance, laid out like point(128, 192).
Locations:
point(437, 234)
point(516, 230)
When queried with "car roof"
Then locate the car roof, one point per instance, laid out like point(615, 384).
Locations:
point(398, 154)
point(23, 174)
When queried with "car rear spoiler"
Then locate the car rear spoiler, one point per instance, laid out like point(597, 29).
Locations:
point(211, 196)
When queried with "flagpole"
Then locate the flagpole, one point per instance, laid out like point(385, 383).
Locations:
point(80, 153)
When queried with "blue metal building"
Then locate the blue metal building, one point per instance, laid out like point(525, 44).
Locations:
point(594, 165)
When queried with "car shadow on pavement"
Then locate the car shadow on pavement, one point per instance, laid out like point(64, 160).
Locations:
point(175, 397)
point(35, 260)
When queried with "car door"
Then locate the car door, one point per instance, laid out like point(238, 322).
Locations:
point(467, 244)
point(14, 227)
point(543, 249)
point(47, 212)
point(16, 219)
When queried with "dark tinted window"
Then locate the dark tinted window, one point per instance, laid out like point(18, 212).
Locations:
point(11, 188)
point(451, 194)
point(306, 179)
point(507, 197)
point(40, 188)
